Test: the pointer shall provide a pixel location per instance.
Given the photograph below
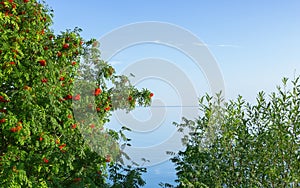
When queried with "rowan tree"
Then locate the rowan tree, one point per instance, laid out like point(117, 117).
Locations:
point(52, 133)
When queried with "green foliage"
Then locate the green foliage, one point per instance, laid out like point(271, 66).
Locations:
point(237, 144)
point(123, 176)
point(52, 134)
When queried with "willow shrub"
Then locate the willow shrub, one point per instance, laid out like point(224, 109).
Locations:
point(237, 144)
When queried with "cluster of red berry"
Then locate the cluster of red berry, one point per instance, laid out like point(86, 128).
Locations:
point(17, 128)
point(3, 100)
point(70, 97)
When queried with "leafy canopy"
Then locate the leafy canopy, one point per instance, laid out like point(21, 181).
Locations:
point(236, 144)
point(52, 133)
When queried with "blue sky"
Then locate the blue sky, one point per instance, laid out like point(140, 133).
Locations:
point(258, 41)
point(255, 44)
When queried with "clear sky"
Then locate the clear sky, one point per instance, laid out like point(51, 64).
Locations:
point(255, 44)
point(254, 41)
